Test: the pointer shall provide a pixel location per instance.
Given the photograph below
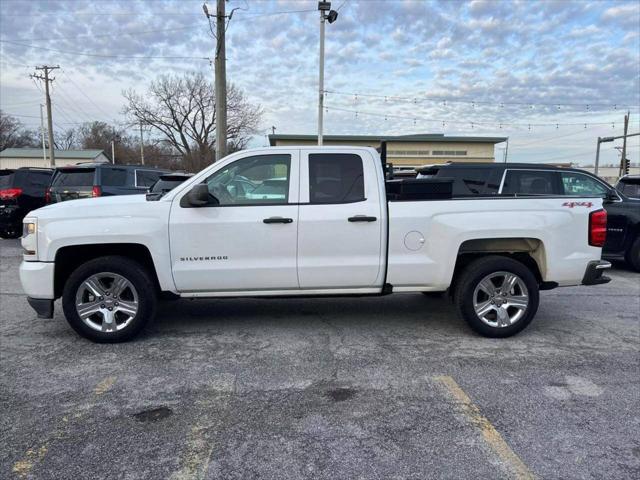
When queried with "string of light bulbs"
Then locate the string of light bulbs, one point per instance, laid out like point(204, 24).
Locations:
point(588, 106)
point(444, 122)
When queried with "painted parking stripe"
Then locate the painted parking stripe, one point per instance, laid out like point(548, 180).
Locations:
point(491, 436)
point(35, 455)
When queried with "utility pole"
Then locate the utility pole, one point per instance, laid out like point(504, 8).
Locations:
point(46, 69)
point(220, 79)
point(609, 139)
point(332, 16)
point(113, 151)
point(44, 148)
point(141, 145)
point(273, 130)
point(623, 158)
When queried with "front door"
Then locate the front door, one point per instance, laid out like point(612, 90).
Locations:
point(248, 240)
point(341, 221)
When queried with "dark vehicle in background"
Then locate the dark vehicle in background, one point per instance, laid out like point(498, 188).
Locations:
point(21, 191)
point(629, 185)
point(101, 180)
point(166, 183)
point(513, 179)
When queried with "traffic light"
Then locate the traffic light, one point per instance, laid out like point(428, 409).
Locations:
point(625, 166)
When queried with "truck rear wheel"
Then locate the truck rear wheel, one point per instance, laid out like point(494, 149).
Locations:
point(109, 299)
point(497, 296)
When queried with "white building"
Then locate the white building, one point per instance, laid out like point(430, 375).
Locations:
point(33, 157)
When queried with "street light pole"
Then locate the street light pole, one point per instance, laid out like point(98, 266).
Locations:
point(595, 170)
point(331, 17)
point(321, 81)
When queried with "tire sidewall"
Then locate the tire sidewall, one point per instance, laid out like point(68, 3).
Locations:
point(129, 269)
point(633, 255)
point(478, 270)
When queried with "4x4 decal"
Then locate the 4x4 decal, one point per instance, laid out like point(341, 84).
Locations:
point(577, 204)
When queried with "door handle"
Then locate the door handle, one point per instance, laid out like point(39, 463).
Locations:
point(278, 220)
point(362, 218)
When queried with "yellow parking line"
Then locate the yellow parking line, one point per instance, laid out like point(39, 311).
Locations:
point(490, 435)
point(34, 456)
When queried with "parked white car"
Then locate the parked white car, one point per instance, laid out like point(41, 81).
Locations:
point(338, 229)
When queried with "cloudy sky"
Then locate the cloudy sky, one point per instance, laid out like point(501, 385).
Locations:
point(550, 75)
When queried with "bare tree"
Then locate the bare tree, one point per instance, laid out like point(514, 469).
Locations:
point(183, 110)
point(13, 134)
point(66, 140)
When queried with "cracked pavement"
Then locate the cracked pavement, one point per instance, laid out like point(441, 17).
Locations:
point(323, 388)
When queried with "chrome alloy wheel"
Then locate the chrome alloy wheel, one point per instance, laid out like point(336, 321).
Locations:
point(500, 299)
point(106, 302)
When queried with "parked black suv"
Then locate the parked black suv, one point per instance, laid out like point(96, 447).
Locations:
point(21, 191)
point(629, 185)
point(101, 179)
point(491, 179)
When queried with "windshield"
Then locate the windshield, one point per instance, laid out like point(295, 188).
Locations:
point(80, 177)
point(6, 178)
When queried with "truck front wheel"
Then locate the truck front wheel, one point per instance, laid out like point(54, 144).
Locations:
point(109, 299)
point(497, 296)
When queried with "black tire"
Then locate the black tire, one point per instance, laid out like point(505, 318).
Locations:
point(633, 255)
point(471, 277)
point(136, 274)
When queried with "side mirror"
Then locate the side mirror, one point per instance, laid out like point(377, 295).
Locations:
point(198, 196)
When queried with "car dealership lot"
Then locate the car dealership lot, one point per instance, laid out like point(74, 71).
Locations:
point(390, 387)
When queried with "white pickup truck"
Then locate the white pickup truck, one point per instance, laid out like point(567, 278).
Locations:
point(306, 221)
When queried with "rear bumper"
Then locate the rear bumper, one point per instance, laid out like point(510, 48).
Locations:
point(594, 273)
point(11, 216)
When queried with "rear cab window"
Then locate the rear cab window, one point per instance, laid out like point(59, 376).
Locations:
point(335, 178)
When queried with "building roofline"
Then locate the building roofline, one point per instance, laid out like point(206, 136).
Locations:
point(434, 138)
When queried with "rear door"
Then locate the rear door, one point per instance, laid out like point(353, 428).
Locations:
point(340, 220)
point(71, 183)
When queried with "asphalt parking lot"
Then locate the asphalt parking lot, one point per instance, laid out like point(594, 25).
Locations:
point(374, 388)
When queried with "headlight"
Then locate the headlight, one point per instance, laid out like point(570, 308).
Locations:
point(28, 228)
point(30, 237)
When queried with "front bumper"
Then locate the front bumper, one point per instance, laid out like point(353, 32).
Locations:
point(37, 279)
point(594, 273)
point(11, 217)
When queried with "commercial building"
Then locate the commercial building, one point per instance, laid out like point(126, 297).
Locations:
point(408, 150)
point(33, 157)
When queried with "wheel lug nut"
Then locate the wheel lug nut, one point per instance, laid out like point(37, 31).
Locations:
point(116, 304)
point(100, 298)
point(108, 294)
point(110, 308)
point(102, 306)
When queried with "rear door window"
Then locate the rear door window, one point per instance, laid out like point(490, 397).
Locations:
point(531, 182)
point(575, 183)
point(335, 178)
point(630, 189)
point(146, 178)
point(77, 177)
point(114, 177)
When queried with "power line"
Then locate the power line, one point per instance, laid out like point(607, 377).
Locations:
point(444, 100)
point(466, 122)
point(141, 32)
point(137, 57)
point(86, 96)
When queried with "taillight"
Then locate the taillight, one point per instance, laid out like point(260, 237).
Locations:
point(47, 195)
point(597, 228)
point(10, 193)
point(96, 191)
